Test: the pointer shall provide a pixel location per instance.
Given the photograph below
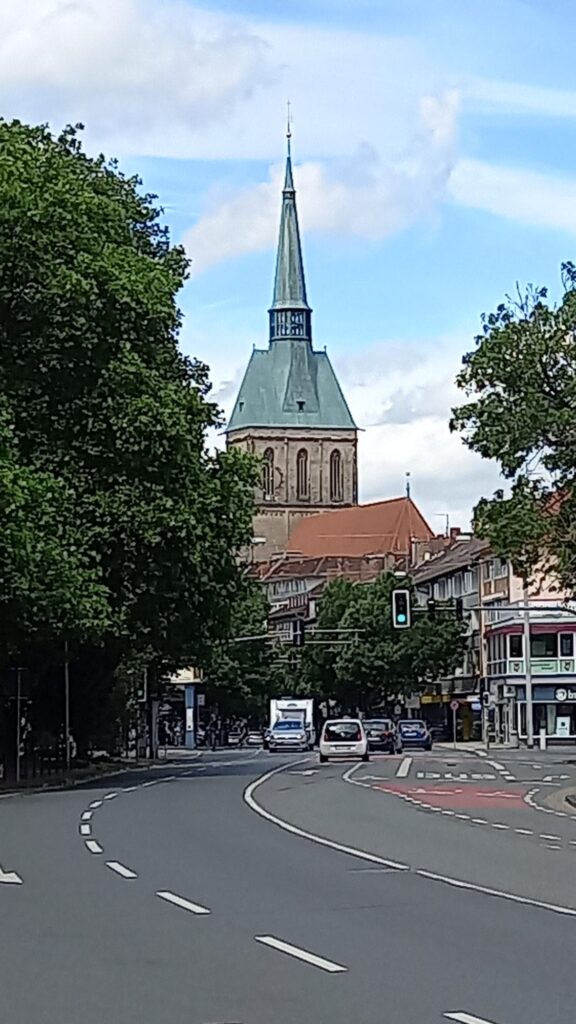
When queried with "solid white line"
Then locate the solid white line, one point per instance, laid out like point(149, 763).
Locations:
point(87, 816)
point(111, 796)
point(301, 954)
point(467, 1018)
point(294, 830)
point(179, 901)
point(404, 768)
point(120, 869)
point(95, 804)
point(458, 884)
point(86, 830)
point(93, 846)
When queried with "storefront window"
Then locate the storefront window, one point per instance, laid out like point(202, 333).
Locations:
point(516, 645)
point(543, 645)
point(566, 645)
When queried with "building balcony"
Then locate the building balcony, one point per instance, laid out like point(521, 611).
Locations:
point(516, 667)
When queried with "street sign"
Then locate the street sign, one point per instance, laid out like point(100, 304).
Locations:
point(454, 705)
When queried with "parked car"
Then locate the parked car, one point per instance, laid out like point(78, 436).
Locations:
point(415, 733)
point(343, 737)
point(288, 734)
point(382, 734)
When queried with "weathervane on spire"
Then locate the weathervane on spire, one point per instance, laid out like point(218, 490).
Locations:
point(289, 124)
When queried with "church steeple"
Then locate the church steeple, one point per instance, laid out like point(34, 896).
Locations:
point(290, 314)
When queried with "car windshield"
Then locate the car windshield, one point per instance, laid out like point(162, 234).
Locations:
point(343, 732)
point(288, 726)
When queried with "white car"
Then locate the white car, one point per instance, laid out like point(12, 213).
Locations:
point(343, 737)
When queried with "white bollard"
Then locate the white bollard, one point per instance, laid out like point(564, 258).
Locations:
point(542, 739)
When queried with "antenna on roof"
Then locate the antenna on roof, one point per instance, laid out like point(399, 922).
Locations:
point(408, 484)
point(447, 515)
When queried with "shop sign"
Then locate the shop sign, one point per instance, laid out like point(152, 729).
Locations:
point(562, 694)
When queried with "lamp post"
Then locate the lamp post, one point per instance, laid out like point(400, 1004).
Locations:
point(67, 703)
point(528, 670)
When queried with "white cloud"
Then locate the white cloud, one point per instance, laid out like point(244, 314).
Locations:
point(544, 200)
point(366, 197)
point(521, 98)
point(405, 427)
point(133, 70)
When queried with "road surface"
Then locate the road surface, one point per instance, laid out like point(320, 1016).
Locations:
point(414, 890)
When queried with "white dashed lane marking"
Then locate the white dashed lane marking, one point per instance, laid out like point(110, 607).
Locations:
point(93, 847)
point(467, 1018)
point(85, 829)
point(179, 901)
point(121, 869)
point(301, 954)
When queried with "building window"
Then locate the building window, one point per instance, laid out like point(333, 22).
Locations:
point(500, 568)
point(302, 483)
point(457, 588)
point(268, 474)
point(516, 645)
point(543, 645)
point(566, 645)
point(336, 481)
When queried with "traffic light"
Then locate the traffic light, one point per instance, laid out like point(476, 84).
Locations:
point(459, 608)
point(298, 632)
point(401, 609)
point(431, 605)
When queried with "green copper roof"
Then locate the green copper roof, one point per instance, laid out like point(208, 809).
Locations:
point(289, 283)
point(290, 385)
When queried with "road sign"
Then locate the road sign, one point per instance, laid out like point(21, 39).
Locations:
point(454, 705)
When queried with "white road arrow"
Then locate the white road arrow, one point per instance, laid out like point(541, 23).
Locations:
point(9, 878)
point(550, 778)
point(436, 792)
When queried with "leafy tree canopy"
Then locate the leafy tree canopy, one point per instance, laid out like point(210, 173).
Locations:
point(125, 525)
point(520, 382)
point(377, 662)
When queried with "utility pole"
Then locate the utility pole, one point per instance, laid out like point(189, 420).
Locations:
point(18, 721)
point(528, 670)
point(67, 703)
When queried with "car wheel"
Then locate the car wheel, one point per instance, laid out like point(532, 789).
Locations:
point(366, 756)
point(428, 746)
point(322, 758)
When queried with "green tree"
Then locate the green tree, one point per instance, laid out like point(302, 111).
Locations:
point(319, 661)
point(520, 382)
point(103, 405)
point(239, 666)
point(379, 663)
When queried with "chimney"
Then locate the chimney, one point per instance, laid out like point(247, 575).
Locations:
point(455, 532)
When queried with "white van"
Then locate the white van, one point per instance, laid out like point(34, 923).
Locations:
point(343, 737)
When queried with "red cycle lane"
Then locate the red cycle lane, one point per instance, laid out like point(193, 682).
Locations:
point(455, 797)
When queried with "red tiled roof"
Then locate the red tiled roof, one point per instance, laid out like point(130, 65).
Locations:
point(383, 527)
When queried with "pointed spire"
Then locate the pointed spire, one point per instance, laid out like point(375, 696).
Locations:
point(290, 312)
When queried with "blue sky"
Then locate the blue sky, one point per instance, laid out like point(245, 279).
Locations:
point(434, 144)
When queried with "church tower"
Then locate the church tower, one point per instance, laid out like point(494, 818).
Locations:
point(290, 410)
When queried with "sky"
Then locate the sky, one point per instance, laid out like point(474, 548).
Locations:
point(434, 146)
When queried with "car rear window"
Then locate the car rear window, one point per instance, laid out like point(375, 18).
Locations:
point(343, 732)
point(287, 725)
point(377, 723)
point(416, 726)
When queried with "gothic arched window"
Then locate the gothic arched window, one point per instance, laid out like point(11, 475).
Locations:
point(336, 477)
point(302, 481)
point(268, 474)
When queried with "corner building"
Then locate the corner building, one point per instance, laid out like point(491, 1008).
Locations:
point(290, 409)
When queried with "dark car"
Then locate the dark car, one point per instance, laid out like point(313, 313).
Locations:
point(415, 733)
point(382, 735)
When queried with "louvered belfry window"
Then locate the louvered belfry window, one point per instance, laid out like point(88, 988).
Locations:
point(268, 474)
point(336, 476)
point(302, 476)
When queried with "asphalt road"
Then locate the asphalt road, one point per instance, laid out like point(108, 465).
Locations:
point(164, 897)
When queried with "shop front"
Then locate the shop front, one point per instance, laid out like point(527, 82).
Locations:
point(554, 710)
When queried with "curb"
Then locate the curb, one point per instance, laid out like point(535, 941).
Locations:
point(75, 783)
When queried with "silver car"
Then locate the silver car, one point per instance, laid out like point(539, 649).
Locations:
point(288, 735)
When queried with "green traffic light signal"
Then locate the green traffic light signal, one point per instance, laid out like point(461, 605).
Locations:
point(401, 609)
